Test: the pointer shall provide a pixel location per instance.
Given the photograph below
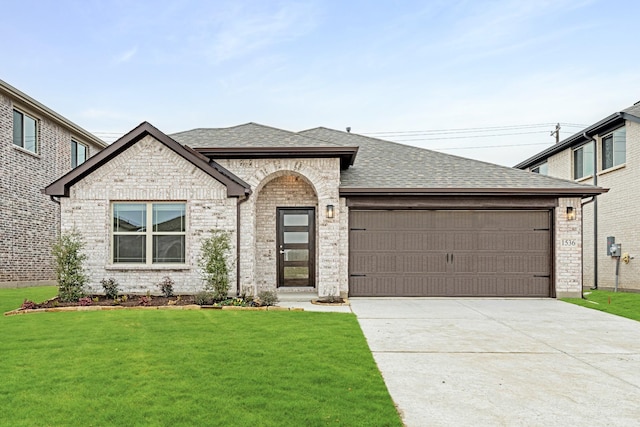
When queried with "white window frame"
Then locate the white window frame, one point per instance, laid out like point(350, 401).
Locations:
point(590, 163)
point(616, 159)
point(74, 160)
point(21, 144)
point(148, 233)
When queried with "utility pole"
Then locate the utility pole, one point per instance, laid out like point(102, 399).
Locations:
point(556, 132)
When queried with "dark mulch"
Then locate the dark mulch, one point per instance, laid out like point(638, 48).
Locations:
point(129, 301)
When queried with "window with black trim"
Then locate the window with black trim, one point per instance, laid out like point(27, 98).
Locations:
point(79, 153)
point(542, 169)
point(149, 233)
point(583, 161)
point(25, 131)
point(614, 148)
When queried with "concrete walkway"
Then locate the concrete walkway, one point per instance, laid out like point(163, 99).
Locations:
point(515, 362)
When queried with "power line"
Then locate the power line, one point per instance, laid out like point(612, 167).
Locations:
point(489, 146)
point(471, 136)
point(469, 130)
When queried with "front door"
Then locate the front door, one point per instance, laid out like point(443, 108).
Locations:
point(296, 246)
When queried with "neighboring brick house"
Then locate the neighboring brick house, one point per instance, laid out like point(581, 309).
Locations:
point(37, 146)
point(321, 211)
point(606, 154)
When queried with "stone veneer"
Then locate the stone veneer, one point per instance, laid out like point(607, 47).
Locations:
point(29, 219)
point(287, 183)
point(148, 171)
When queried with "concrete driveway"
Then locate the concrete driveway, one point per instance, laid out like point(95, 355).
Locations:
point(504, 361)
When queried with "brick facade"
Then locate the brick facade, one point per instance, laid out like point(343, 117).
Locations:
point(148, 171)
point(29, 220)
point(568, 249)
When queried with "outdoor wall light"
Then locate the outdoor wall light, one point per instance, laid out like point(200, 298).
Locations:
point(571, 213)
point(330, 211)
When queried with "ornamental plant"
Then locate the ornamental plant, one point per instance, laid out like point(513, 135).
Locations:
point(213, 263)
point(70, 275)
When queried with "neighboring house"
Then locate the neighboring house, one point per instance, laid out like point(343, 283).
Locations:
point(611, 149)
point(37, 145)
point(323, 211)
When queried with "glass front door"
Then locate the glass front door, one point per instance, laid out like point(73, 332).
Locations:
point(296, 246)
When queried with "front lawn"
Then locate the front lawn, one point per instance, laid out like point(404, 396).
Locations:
point(623, 304)
point(204, 367)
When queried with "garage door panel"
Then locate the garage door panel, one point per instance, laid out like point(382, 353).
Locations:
point(450, 253)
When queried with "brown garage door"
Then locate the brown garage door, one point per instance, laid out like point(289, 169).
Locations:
point(450, 253)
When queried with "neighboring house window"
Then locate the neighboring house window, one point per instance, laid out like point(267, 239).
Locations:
point(25, 131)
point(583, 161)
point(614, 149)
point(78, 153)
point(542, 169)
point(149, 233)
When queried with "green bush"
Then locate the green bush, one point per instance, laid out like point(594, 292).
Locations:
point(213, 262)
point(268, 297)
point(166, 286)
point(203, 298)
point(68, 256)
point(111, 287)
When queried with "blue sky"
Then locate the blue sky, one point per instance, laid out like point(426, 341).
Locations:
point(376, 66)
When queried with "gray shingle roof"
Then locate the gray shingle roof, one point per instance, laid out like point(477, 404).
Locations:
point(388, 164)
point(380, 163)
point(246, 135)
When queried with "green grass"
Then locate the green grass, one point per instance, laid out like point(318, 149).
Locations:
point(180, 368)
point(623, 304)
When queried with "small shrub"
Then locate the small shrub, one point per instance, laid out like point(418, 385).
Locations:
point(268, 297)
point(85, 301)
point(234, 302)
point(166, 286)
point(28, 305)
point(111, 287)
point(68, 256)
point(203, 298)
point(213, 262)
point(144, 300)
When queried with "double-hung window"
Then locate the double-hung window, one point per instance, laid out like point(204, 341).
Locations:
point(149, 233)
point(583, 161)
point(78, 153)
point(614, 148)
point(25, 131)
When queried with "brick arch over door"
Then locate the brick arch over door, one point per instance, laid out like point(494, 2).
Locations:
point(280, 189)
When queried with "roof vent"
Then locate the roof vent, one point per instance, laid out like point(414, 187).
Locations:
point(349, 129)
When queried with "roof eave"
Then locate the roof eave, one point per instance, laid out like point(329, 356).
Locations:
point(556, 192)
point(577, 138)
point(49, 113)
point(235, 186)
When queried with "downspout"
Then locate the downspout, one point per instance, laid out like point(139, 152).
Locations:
point(240, 201)
point(595, 211)
point(582, 205)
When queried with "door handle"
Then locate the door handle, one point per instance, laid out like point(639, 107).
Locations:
point(447, 258)
point(282, 252)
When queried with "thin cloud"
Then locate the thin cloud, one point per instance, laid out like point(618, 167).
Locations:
point(126, 56)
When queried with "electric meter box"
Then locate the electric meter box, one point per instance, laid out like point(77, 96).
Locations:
point(616, 249)
point(610, 241)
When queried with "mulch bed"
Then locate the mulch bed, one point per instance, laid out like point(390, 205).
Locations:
point(131, 301)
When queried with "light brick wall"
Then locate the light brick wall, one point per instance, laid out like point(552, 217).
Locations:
point(29, 220)
point(568, 249)
point(616, 212)
point(148, 171)
point(322, 176)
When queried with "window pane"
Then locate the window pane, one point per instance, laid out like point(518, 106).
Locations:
point(129, 249)
point(619, 146)
point(296, 219)
point(30, 134)
point(74, 154)
point(296, 255)
point(296, 237)
point(17, 128)
point(577, 164)
point(296, 272)
point(169, 217)
point(588, 159)
point(128, 217)
point(583, 161)
point(82, 154)
point(168, 249)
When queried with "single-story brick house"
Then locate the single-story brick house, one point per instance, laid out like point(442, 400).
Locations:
point(323, 211)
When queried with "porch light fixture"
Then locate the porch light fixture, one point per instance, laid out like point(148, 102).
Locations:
point(330, 211)
point(571, 213)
